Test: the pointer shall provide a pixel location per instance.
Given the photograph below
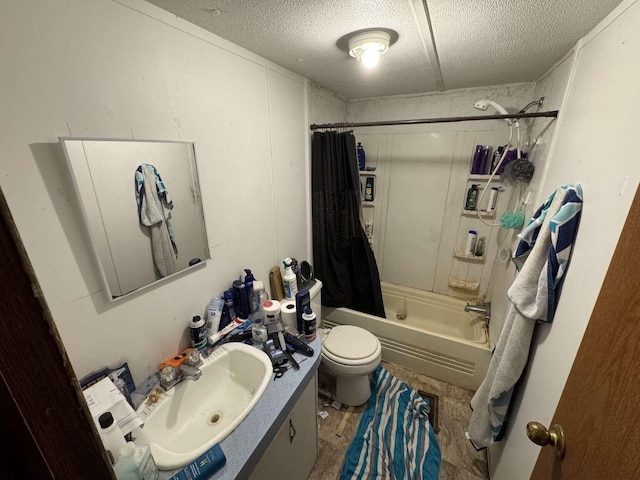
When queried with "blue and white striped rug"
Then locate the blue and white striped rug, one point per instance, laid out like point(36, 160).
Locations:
point(394, 438)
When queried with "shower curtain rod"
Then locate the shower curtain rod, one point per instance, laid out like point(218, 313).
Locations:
point(552, 114)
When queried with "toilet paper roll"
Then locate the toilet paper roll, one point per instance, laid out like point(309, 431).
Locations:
point(288, 316)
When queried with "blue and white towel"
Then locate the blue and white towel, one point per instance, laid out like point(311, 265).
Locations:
point(394, 439)
point(542, 256)
point(563, 227)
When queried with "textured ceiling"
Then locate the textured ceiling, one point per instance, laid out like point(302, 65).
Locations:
point(441, 44)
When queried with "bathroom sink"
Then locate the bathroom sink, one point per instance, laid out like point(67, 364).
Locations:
point(190, 418)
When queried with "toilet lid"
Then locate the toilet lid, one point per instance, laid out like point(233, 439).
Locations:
point(350, 342)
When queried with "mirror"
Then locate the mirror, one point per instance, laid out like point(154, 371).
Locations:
point(142, 206)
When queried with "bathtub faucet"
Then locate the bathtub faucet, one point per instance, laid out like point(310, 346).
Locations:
point(483, 308)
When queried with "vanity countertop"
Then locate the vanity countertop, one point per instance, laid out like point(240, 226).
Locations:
point(245, 445)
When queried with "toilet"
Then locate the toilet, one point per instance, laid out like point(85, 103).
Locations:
point(349, 353)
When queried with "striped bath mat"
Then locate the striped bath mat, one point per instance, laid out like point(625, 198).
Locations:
point(394, 438)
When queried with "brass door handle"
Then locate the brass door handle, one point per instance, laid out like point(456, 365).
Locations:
point(540, 435)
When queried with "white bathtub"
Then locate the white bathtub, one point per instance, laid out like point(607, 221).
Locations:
point(437, 338)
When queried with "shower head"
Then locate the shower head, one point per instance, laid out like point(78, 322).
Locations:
point(485, 104)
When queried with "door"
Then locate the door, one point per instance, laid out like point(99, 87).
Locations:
point(599, 409)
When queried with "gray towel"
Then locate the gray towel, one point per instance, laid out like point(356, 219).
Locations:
point(529, 299)
point(154, 216)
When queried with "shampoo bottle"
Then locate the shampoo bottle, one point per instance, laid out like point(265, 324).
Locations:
point(472, 198)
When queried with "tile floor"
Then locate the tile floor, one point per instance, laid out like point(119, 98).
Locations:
point(459, 461)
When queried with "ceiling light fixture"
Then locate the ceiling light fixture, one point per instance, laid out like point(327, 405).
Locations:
point(368, 46)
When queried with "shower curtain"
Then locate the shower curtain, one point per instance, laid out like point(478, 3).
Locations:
point(342, 256)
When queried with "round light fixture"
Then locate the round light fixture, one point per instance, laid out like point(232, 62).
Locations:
point(368, 46)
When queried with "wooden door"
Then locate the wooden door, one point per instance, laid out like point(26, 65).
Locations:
point(48, 431)
point(599, 409)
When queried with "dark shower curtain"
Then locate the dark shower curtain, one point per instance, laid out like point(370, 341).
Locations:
point(342, 256)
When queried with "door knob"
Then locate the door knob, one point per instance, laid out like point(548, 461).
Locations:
point(540, 435)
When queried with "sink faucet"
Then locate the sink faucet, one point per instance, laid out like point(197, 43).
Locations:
point(187, 369)
point(483, 309)
point(189, 372)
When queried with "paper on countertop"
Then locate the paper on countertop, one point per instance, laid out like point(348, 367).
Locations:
point(104, 396)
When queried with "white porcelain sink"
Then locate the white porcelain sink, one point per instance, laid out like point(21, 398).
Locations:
point(194, 415)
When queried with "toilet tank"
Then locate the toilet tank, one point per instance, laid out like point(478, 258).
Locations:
point(315, 292)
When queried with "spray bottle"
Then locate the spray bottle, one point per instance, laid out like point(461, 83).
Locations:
point(290, 281)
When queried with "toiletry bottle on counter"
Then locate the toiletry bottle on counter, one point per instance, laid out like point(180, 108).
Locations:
point(214, 315)
point(361, 156)
point(241, 299)
point(111, 435)
point(198, 331)
point(248, 285)
point(290, 280)
point(259, 332)
point(472, 198)
point(136, 463)
point(271, 309)
point(309, 324)
point(229, 310)
point(258, 295)
point(204, 466)
point(303, 300)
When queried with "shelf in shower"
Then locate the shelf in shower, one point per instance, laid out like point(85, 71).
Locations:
point(483, 178)
point(483, 213)
point(459, 253)
point(463, 284)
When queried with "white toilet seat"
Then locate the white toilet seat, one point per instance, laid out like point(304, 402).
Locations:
point(351, 346)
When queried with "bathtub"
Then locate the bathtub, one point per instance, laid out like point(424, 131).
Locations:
point(426, 332)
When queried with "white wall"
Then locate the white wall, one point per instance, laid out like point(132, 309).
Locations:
point(325, 106)
point(422, 178)
point(596, 132)
point(130, 70)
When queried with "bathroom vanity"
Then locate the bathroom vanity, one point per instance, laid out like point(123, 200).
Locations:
point(280, 430)
point(295, 444)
